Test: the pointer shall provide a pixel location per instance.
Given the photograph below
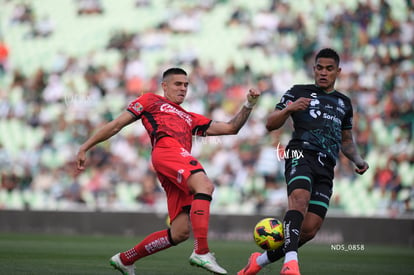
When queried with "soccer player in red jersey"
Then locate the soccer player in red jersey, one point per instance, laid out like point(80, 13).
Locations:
point(188, 189)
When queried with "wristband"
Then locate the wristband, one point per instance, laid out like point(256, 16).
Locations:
point(249, 105)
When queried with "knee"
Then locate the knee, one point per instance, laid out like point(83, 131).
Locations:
point(299, 200)
point(200, 183)
point(207, 187)
point(180, 236)
point(308, 234)
point(210, 187)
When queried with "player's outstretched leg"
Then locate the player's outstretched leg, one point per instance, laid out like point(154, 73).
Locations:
point(291, 225)
point(199, 216)
point(116, 262)
point(252, 268)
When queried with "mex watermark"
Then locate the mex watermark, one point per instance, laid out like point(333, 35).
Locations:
point(78, 99)
point(207, 140)
point(282, 153)
point(200, 137)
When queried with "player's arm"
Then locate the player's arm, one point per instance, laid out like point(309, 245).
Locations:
point(233, 126)
point(107, 131)
point(349, 149)
point(277, 118)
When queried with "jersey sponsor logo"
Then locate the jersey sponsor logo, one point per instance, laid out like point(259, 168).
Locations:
point(314, 102)
point(314, 95)
point(171, 109)
point(332, 117)
point(314, 108)
point(314, 113)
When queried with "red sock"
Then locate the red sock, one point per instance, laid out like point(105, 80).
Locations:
point(153, 243)
point(200, 216)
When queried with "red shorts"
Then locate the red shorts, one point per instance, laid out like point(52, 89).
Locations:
point(174, 165)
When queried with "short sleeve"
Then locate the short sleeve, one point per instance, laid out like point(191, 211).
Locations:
point(287, 99)
point(347, 121)
point(136, 107)
point(200, 124)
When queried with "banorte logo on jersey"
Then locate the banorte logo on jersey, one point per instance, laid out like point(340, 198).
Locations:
point(171, 109)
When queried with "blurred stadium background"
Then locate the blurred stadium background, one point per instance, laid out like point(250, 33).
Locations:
point(68, 66)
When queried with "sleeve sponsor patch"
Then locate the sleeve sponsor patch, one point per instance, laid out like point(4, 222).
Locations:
point(136, 107)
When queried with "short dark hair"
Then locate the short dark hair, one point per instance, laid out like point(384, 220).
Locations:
point(172, 71)
point(328, 53)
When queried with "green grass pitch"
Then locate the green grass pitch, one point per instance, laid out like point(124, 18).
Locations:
point(42, 254)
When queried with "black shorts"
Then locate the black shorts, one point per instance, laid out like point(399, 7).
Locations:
point(313, 171)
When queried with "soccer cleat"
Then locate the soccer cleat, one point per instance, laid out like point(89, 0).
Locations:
point(290, 268)
point(116, 262)
point(252, 268)
point(206, 261)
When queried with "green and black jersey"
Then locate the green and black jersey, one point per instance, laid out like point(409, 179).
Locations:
point(319, 127)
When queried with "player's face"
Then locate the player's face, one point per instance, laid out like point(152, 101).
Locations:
point(175, 88)
point(326, 71)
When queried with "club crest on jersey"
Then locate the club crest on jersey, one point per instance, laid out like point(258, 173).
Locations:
point(341, 103)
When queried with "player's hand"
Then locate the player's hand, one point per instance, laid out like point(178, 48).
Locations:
point(361, 167)
point(252, 97)
point(80, 160)
point(300, 104)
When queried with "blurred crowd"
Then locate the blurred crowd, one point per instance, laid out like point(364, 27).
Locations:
point(47, 114)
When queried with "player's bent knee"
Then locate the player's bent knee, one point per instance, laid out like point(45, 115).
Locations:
point(200, 183)
point(306, 236)
point(308, 232)
point(181, 236)
point(299, 201)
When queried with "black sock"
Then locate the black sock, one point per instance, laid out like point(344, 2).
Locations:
point(274, 255)
point(291, 226)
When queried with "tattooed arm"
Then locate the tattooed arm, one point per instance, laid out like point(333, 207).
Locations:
point(233, 126)
point(349, 149)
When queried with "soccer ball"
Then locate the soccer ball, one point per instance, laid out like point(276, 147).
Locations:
point(268, 234)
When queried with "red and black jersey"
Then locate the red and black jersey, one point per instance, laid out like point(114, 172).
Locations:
point(162, 117)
